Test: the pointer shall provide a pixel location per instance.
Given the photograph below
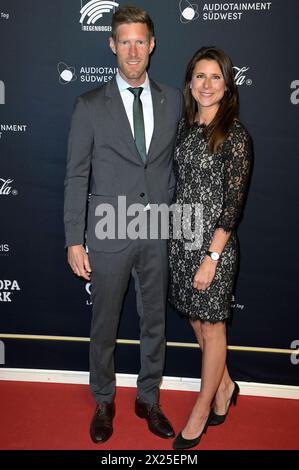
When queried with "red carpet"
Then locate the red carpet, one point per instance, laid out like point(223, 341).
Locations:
point(57, 416)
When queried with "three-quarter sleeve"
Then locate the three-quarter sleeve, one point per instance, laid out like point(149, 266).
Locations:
point(237, 154)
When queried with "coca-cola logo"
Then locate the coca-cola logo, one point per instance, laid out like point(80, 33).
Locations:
point(295, 94)
point(6, 188)
point(241, 76)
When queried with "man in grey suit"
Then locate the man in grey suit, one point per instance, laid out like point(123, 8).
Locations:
point(122, 137)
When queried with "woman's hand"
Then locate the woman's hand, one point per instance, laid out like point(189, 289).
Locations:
point(205, 274)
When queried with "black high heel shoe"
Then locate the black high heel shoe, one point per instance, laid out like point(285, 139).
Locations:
point(181, 443)
point(219, 419)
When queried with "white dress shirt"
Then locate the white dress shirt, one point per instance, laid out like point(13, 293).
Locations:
point(147, 105)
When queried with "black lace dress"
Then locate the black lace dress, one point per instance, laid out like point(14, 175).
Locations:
point(218, 183)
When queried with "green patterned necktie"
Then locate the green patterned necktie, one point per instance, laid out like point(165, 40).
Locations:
point(139, 132)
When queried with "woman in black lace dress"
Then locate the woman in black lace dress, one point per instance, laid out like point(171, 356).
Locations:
point(212, 162)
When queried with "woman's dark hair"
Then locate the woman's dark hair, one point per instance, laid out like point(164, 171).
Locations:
point(131, 14)
point(217, 130)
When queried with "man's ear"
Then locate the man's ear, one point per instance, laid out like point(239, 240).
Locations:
point(152, 44)
point(112, 45)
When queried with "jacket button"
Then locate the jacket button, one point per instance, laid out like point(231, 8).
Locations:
point(142, 194)
point(145, 166)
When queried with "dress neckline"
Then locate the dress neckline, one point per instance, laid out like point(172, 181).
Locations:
point(197, 125)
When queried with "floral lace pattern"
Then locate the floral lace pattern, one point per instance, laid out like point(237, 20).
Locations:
point(219, 183)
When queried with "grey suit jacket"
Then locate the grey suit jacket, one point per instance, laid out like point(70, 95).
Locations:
point(102, 156)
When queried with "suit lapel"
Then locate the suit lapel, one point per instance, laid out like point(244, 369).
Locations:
point(115, 107)
point(159, 108)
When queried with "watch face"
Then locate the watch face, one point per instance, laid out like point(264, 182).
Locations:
point(215, 256)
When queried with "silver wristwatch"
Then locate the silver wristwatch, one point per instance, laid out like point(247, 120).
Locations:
point(214, 255)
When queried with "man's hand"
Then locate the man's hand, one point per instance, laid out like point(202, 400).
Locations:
point(78, 261)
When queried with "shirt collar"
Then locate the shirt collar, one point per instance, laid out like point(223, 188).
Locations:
point(123, 85)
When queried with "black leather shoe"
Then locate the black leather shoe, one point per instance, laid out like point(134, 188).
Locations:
point(157, 422)
point(101, 425)
point(181, 443)
point(219, 419)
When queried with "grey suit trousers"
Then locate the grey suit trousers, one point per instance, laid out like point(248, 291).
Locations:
point(146, 260)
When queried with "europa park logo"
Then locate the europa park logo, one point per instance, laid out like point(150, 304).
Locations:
point(7, 289)
point(93, 11)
